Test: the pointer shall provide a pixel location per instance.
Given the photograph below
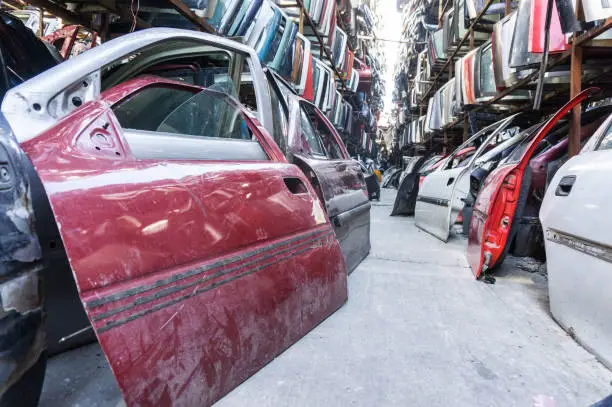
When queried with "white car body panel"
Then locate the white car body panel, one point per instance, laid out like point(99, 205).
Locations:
point(596, 10)
point(576, 222)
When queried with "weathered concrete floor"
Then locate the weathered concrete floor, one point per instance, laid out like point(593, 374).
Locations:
point(419, 331)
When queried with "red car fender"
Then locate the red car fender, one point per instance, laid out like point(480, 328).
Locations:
point(498, 198)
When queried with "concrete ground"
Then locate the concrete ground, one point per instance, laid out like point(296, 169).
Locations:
point(417, 331)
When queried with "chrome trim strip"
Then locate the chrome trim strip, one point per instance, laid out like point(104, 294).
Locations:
point(585, 246)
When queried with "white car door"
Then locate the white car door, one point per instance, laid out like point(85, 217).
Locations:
point(442, 194)
point(576, 221)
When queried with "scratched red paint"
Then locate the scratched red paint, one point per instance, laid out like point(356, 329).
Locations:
point(194, 273)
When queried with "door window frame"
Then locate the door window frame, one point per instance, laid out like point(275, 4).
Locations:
point(128, 89)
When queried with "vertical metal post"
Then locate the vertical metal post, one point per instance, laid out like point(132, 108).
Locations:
point(445, 143)
point(466, 124)
point(472, 40)
point(41, 23)
point(575, 88)
point(508, 7)
point(301, 26)
point(104, 29)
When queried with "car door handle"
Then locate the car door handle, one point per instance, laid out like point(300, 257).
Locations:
point(450, 181)
point(565, 185)
point(295, 185)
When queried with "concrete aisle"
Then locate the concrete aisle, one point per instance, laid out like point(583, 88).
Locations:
point(419, 331)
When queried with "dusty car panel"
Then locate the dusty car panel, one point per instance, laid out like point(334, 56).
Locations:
point(405, 200)
point(442, 194)
point(182, 292)
point(391, 177)
point(430, 166)
point(494, 210)
point(24, 55)
point(576, 225)
point(484, 77)
point(467, 82)
point(505, 76)
point(22, 320)
point(266, 47)
point(258, 29)
point(520, 57)
point(365, 76)
point(317, 149)
point(162, 260)
point(244, 17)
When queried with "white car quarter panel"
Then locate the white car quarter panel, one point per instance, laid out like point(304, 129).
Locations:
point(578, 244)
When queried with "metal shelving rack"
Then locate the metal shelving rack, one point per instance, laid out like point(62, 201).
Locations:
point(574, 55)
point(73, 17)
point(314, 36)
point(450, 60)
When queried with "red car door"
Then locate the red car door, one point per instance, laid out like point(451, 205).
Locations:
point(537, 29)
point(497, 200)
point(199, 253)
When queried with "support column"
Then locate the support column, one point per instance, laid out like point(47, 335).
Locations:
point(41, 23)
point(575, 89)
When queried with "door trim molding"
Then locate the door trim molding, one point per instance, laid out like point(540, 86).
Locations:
point(588, 247)
point(206, 283)
point(434, 201)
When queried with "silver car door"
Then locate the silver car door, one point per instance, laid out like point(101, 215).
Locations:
point(442, 195)
point(576, 220)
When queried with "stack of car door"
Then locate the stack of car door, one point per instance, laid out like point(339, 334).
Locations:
point(442, 194)
point(505, 211)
